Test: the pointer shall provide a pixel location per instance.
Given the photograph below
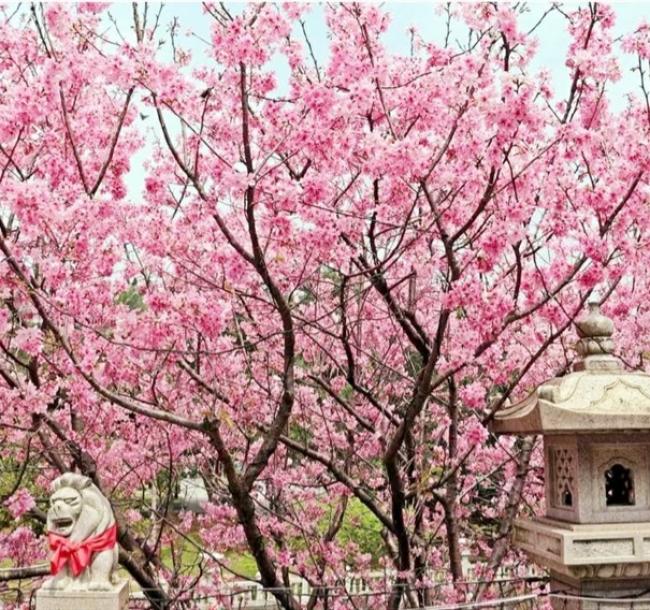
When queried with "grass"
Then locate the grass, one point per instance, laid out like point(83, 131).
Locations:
point(186, 555)
point(242, 563)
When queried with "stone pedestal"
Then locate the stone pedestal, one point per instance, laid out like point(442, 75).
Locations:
point(116, 599)
point(604, 560)
point(604, 552)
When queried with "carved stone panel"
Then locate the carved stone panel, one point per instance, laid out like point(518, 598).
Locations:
point(595, 549)
point(563, 472)
point(562, 481)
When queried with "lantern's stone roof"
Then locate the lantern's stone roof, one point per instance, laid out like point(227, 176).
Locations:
point(598, 396)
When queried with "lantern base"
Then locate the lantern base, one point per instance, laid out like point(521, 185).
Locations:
point(599, 595)
point(116, 599)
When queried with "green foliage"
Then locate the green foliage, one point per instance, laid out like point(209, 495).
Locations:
point(300, 434)
point(347, 392)
point(414, 363)
point(132, 298)
point(363, 528)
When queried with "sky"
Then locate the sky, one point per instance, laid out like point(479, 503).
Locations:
point(552, 34)
point(430, 23)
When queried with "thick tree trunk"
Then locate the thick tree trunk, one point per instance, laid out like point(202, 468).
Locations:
point(246, 514)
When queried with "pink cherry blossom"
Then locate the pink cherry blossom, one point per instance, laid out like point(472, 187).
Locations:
point(19, 503)
point(309, 287)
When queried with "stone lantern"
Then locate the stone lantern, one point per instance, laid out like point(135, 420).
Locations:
point(595, 422)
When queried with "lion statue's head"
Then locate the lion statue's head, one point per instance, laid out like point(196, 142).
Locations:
point(78, 510)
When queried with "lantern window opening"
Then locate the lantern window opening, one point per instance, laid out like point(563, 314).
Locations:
point(619, 486)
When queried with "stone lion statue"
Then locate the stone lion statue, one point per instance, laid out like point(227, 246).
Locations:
point(82, 536)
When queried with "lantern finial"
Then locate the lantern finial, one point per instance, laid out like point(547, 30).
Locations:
point(596, 345)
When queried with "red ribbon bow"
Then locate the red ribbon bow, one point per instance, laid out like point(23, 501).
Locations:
point(79, 554)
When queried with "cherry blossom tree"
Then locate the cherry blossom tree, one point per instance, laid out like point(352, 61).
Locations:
point(321, 297)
